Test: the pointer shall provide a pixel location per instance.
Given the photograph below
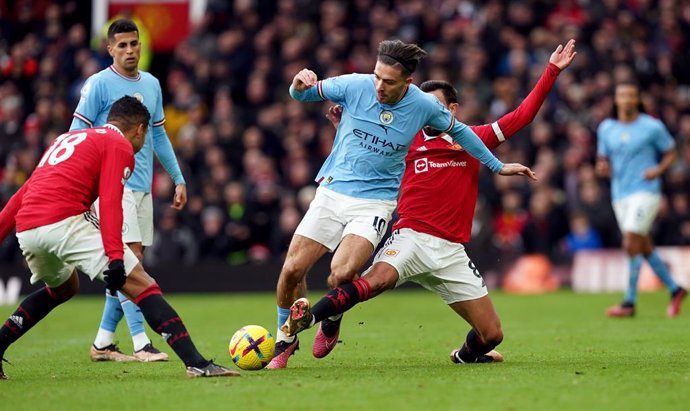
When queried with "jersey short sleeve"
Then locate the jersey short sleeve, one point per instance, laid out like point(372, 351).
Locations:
point(602, 151)
point(664, 141)
point(90, 102)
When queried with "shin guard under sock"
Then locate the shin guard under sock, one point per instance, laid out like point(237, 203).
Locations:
point(163, 319)
point(32, 310)
point(341, 299)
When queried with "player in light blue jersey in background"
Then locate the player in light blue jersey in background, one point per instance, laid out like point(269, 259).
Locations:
point(360, 179)
point(97, 95)
point(635, 150)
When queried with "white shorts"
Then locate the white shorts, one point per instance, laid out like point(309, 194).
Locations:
point(332, 216)
point(436, 264)
point(137, 225)
point(54, 251)
point(636, 212)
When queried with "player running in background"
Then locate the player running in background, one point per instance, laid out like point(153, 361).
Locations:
point(437, 200)
point(635, 150)
point(360, 179)
point(59, 237)
point(99, 92)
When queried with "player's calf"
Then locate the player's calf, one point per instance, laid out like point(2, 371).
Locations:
point(475, 347)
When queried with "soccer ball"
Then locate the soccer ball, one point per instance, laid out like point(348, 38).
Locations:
point(252, 347)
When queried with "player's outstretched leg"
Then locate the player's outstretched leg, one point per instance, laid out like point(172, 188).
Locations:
point(163, 319)
point(32, 310)
point(104, 347)
point(485, 334)
point(302, 254)
point(144, 350)
point(678, 294)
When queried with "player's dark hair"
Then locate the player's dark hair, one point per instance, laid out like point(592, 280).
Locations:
point(450, 94)
point(404, 55)
point(129, 112)
point(121, 26)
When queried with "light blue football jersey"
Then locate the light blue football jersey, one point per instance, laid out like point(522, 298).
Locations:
point(368, 155)
point(99, 93)
point(631, 148)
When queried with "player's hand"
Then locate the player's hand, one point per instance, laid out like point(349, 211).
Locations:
point(304, 79)
point(114, 276)
point(652, 173)
point(180, 197)
point(334, 114)
point(563, 56)
point(603, 168)
point(516, 169)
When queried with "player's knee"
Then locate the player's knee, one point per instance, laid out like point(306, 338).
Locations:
point(340, 275)
point(491, 335)
point(139, 254)
point(292, 272)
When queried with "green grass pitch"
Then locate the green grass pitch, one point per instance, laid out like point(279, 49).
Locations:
point(561, 353)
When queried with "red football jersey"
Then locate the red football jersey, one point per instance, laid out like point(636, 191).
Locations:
point(438, 192)
point(75, 170)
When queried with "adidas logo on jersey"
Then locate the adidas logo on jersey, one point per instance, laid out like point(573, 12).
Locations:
point(17, 320)
point(421, 148)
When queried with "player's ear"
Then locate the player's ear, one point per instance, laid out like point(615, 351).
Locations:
point(453, 107)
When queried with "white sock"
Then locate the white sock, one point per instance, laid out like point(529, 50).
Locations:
point(139, 341)
point(281, 336)
point(104, 338)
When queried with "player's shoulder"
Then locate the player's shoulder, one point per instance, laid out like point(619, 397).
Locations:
point(649, 121)
point(356, 79)
point(148, 77)
point(415, 93)
point(606, 125)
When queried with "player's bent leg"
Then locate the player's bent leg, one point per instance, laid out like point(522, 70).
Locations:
point(348, 260)
point(33, 309)
point(162, 318)
point(485, 335)
point(144, 350)
point(302, 253)
point(381, 277)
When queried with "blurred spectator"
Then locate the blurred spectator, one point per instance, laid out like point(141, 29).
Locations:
point(582, 235)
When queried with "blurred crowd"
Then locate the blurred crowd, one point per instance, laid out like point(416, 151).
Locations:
point(249, 153)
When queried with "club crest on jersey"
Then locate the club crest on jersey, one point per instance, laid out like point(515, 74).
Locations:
point(392, 253)
point(139, 97)
point(421, 165)
point(386, 117)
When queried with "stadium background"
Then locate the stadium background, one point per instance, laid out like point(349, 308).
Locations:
point(249, 153)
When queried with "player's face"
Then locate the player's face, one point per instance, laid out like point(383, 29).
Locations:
point(452, 107)
point(138, 137)
point(125, 50)
point(627, 98)
point(391, 83)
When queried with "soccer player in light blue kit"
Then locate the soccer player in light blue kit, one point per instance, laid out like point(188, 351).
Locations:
point(635, 150)
point(99, 92)
point(360, 179)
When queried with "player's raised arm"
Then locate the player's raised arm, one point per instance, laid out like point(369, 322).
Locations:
point(505, 127)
